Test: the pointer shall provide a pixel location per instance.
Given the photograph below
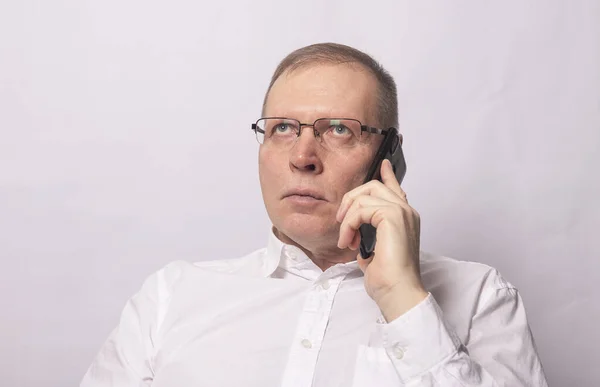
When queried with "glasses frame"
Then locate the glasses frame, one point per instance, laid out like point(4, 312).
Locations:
point(363, 128)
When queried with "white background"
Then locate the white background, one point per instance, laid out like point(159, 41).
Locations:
point(125, 143)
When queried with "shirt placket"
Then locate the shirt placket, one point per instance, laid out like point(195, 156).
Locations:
point(308, 339)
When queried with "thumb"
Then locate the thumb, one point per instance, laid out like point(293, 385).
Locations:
point(363, 263)
point(388, 177)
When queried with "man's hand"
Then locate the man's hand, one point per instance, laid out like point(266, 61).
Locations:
point(392, 274)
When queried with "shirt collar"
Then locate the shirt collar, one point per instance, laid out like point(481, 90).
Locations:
point(292, 259)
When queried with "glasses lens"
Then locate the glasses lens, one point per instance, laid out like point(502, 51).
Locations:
point(260, 131)
point(339, 133)
point(276, 130)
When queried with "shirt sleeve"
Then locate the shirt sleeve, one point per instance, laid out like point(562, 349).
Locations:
point(425, 350)
point(125, 359)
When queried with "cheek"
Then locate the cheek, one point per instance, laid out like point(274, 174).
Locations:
point(355, 180)
point(262, 172)
point(267, 171)
point(352, 177)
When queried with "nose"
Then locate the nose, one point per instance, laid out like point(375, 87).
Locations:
point(305, 154)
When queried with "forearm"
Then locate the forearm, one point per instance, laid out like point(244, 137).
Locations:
point(424, 350)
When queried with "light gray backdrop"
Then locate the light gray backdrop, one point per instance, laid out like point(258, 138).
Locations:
point(125, 144)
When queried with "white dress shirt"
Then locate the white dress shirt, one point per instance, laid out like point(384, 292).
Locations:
point(273, 318)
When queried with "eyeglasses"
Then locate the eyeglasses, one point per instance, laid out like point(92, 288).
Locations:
point(332, 133)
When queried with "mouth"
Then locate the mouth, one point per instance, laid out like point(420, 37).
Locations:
point(304, 195)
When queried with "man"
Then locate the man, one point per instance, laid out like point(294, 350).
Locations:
point(308, 310)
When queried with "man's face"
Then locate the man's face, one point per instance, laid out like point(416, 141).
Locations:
point(303, 185)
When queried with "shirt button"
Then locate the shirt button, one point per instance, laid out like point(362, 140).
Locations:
point(325, 285)
point(306, 343)
point(398, 352)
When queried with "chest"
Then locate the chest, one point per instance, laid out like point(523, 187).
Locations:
point(272, 334)
point(259, 336)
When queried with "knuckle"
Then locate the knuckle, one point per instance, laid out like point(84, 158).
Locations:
point(416, 214)
point(374, 183)
point(359, 201)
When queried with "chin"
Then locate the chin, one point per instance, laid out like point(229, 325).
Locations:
point(307, 228)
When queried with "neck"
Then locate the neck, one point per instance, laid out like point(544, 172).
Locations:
point(323, 254)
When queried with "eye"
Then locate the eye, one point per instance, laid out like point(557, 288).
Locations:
point(284, 127)
point(340, 130)
point(281, 127)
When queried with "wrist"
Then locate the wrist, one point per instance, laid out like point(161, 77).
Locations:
point(400, 300)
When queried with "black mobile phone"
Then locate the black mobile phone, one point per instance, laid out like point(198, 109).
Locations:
point(391, 149)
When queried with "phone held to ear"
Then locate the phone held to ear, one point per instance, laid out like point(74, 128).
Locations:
point(390, 149)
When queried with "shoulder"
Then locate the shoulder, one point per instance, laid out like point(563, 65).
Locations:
point(165, 280)
point(439, 268)
point(457, 284)
point(238, 265)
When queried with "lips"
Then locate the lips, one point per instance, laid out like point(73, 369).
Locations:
point(305, 192)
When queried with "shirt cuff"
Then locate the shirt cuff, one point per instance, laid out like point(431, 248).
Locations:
point(419, 339)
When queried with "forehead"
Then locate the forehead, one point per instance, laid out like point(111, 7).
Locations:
point(324, 90)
